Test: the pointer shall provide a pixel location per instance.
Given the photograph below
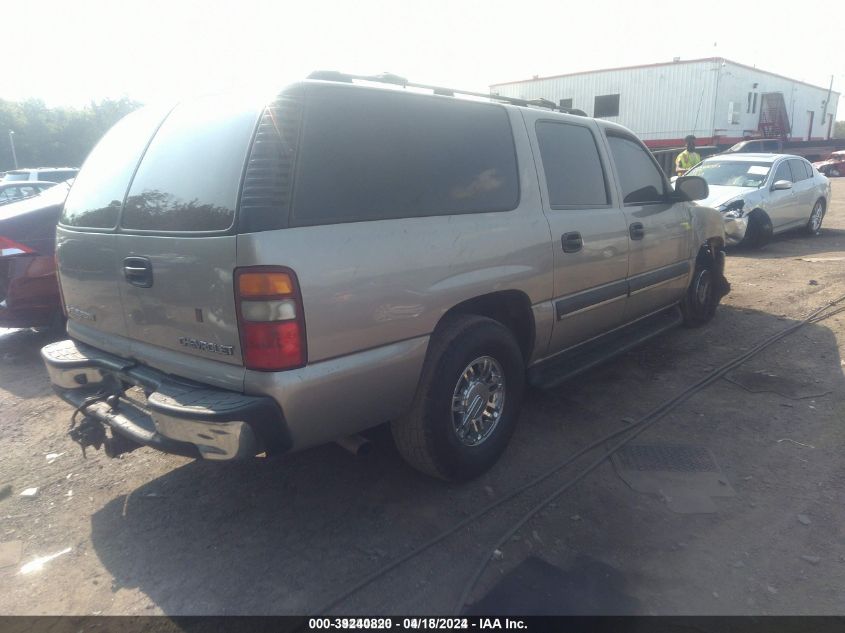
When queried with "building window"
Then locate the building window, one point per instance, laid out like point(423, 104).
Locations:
point(754, 104)
point(606, 105)
point(566, 104)
point(733, 112)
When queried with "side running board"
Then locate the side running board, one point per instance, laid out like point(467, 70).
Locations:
point(587, 355)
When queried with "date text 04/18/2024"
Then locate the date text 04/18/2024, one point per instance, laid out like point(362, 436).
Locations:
point(431, 624)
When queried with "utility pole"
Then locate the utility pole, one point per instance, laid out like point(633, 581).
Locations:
point(12, 143)
point(827, 101)
point(719, 64)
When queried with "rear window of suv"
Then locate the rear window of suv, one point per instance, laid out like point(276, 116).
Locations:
point(98, 191)
point(189, 178)
point(373, 155)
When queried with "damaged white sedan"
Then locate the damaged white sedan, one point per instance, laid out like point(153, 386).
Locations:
point(760, 195)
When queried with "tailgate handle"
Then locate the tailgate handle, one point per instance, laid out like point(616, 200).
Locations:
point(138, 271)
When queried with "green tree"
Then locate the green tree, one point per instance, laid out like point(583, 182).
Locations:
point(839, 129)
point(55, 137)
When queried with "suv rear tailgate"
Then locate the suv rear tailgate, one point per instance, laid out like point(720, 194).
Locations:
point(167, 267)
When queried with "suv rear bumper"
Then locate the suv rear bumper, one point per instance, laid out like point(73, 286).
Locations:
point(171, 415)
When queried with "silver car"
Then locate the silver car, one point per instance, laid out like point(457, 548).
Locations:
point(760, 195)
point(246, 278)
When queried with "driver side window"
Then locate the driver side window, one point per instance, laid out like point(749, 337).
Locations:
point(641, 179)
point(783, 173)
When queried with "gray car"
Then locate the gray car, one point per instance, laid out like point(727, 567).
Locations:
point(760, 195)
point(248, 278)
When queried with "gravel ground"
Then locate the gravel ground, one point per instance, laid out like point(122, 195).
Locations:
point(154, 534)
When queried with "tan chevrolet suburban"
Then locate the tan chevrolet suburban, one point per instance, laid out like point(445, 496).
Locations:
point(246, 279)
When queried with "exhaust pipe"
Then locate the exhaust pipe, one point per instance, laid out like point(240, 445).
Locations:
point(358, 445)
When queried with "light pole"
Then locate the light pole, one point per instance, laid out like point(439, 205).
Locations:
point(12, 143)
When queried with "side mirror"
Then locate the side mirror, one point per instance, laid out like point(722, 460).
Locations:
point(692, 188)
point(781, 185)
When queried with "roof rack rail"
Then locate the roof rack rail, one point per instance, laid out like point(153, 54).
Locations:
point(396, 80)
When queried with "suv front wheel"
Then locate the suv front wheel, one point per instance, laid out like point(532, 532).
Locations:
point(467, 402)
point(706, 287)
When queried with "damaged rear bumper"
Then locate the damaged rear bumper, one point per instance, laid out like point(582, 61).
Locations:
point(149, 408)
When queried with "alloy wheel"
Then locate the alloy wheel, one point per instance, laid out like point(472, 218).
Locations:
point(816, 217)
point(478, 400)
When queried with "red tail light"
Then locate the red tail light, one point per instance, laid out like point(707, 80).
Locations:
point(9, 248)
point(270, 318)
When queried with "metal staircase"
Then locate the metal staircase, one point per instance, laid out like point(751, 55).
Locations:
point(774, 121)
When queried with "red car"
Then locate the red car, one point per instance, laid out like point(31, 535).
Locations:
point(833, 166)
point(29, 291)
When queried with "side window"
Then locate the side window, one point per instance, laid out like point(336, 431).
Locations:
point(641, 179)
point(783, 172)
point(808, 168)
point(574, 174)
point(799, 170)
point(377, 155)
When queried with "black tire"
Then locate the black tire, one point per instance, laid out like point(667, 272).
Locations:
point(759, 231)
point(703, 295)
point(814, 224)
point(833, 171)
point(427, 437)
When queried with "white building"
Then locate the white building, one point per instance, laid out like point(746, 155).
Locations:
point(717, 100)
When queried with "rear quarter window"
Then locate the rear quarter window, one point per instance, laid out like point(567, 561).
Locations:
point(189, 178)
point(375, 154)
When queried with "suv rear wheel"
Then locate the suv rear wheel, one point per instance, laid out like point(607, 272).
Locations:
point(468, 400)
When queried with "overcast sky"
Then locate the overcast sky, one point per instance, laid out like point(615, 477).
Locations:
point(69, 52)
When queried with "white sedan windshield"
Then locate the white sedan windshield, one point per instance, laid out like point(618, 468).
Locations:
point(732, 173)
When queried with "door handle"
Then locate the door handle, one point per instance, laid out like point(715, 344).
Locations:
point(571, 242)
point(636, 231)
point(138, 271)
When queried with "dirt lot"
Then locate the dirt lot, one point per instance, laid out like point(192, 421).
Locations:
point(151, 534)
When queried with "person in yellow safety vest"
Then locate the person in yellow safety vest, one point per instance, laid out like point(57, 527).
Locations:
point(687, 159)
